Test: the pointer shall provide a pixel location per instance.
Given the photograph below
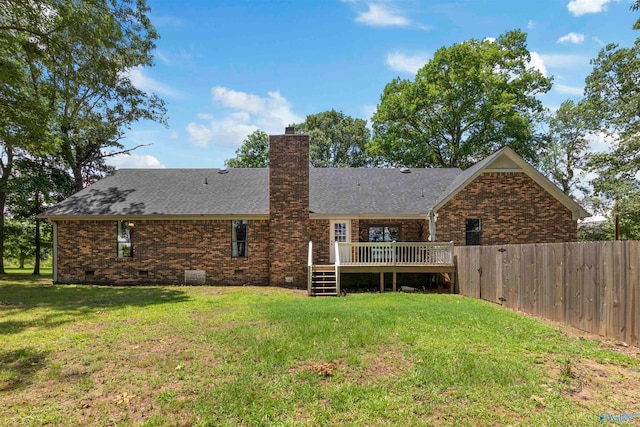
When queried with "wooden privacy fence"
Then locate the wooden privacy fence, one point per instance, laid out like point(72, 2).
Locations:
point(592, 286)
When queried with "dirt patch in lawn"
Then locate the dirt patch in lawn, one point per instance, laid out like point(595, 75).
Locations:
point(603, 387)
point(388, 362)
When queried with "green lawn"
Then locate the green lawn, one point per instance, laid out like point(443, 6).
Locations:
point(92, 355)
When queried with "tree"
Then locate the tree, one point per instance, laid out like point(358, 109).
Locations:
point(24, 125)
point(89, 76)
point(38, 183)
point(19, 241)
point(564, 159)
point(469, 100)
point(253, 153)
point(64, 82)
point(336, 140)
point(613, 92)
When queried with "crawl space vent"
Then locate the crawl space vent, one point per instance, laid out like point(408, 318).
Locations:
point(195, 277)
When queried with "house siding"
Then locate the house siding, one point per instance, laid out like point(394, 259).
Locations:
point(165, 249)
point(513, 209)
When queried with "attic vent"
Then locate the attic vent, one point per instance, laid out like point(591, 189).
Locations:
point(223, 171)
point(405, 170)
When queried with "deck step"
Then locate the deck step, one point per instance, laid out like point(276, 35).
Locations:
point(323, 281)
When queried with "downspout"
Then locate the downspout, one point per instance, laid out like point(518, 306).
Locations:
point(55, 251)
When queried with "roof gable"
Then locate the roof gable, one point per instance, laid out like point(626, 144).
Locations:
point(507, 160)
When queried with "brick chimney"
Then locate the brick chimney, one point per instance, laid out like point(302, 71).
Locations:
point(288, 208)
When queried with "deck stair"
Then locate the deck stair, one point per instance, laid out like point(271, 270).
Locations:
point(323, 281)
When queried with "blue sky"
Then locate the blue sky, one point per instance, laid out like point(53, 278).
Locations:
point(227, 68)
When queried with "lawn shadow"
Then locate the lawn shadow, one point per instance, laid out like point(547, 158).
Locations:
point(17, 367)
point(65, 303)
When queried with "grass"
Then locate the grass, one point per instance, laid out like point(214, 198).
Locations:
point(155, 356)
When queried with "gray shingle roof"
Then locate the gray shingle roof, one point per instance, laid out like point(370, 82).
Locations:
point(246, 192)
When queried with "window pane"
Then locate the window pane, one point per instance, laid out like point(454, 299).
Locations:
point(473, 231)
point(239, 238)
point(340, 231)
point(473, 224)
point(391, 234)
point(384, 234)
point(125, 247)
point(376, 234)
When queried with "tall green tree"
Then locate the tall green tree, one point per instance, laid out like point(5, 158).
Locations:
point(469, 100)
point(564, 160)
point(38, 183)
point(613, 92)
point(336, 140)
point(24, 112)
point(65, 85)
point(253, 153)
point(19, 241)
point(91, 89)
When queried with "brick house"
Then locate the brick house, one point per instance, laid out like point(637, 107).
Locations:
point(253, 226)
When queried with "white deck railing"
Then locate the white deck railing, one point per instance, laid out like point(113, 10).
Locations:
point(394, 253)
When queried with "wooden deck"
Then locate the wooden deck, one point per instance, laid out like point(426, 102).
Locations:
point(394, 257)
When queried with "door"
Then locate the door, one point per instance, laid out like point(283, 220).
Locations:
point(340, 232)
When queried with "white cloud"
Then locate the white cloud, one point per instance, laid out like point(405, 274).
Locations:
point(380, 15)
point(166, 21)
point(601, 142)
point(135, 161)
point(199, 135)
point(531, 25)
point(162, 57)
point(248, 112)
point(568, 90)
point(554, 60)
point(597, 40)
point(238, 100)
point(174, 135)
point(406, 63)
point(538, 62)
point(581, 7)
point(575, 38)
point(143, 82)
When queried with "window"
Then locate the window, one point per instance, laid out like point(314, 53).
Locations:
point(473, 231)
point(125, 247)
point(239, 238)
point(384, 234)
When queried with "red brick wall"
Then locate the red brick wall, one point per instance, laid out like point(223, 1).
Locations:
point(163, 248)
point(319, 234)
point(513, 209)
point(288, 208)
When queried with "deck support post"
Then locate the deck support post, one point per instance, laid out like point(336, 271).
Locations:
point(394, 281)
point(381, 281)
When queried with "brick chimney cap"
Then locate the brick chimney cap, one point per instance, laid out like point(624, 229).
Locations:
point(289, 130)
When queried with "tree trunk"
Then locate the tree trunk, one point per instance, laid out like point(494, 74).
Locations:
point(4, 180)
point(36, 263)
point(3, 198)
point(22, 258)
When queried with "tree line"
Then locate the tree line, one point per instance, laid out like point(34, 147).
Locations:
point(66, 101)
point(474, 97)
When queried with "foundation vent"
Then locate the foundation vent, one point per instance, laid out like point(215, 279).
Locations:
point(195, 277)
